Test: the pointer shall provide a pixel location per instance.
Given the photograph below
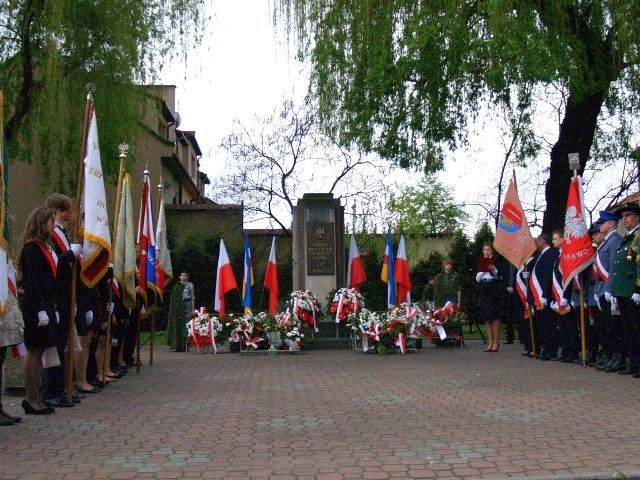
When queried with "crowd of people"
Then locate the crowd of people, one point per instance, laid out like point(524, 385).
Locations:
point(39, 312)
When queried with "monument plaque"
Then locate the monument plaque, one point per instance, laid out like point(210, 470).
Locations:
point(320, 248)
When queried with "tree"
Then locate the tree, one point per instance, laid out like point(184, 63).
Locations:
point(49, 51)
point(426, 209)
point(403, 78)
point(285, 156)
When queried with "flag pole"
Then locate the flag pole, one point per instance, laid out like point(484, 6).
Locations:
point(124, 148)
point(153, 313)
point(574, 164)
point(76, 238)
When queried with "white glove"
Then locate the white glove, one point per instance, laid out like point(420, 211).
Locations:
point(614, 304)
point(596, 297)
point(143, 310)
point(57, 317)
point(564, 302)
point(607, 296)
point(110, 307)
point(43, 318)
point(636, 298)
point(479, 276)
point(525, 274)
point(554, 305)
point(494, 271)
point(573, 304)
point(543, 302)
point(89, 317)
point(76, 248)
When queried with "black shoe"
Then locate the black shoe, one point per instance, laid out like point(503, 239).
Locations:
point(616, 366)
point(636, 375)
point(29, 410)
point(77, 396)
point(628, 371)
point(11, 418)
point(58, 402)
point(5, 422)
point(96, 384)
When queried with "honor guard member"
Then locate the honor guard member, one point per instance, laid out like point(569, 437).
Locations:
point(625, 292)
point(610, 340)
point(540, 295)
point(567, 332)
point(54, 377)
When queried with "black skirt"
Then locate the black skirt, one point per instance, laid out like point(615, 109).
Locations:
point(35, 336)
point(489, 301)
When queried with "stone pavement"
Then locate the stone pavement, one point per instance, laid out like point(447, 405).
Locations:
point(436, 413)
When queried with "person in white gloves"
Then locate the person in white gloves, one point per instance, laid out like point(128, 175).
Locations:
point(489, 276)
point(625, 292)
point(569, 334)
point(54, 378)
point(610, 339)
point(539, 295)
point(37, 264)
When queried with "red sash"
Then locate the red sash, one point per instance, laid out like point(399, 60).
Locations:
point(51, 257)
point(61, 239)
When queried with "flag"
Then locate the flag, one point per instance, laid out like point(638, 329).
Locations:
point(164, 271)
point(577, 251)
point(513, 238)
point(271, 279)
point(355, 269)
point(96, 248)
point(388, 272)
point(401, 274)
point(147, 243)
point(124, 252)
point(225, 281)
point(247, 277)
point(4, 238)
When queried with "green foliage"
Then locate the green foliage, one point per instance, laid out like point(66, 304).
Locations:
point(402, 78)
point(426, 209)
point(483, 234)
point(51, 49)
point(421, 272)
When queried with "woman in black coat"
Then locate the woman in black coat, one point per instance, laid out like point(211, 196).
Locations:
point(37, 268)
point(490, 291)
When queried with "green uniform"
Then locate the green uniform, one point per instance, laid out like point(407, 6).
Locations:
point(625, 268)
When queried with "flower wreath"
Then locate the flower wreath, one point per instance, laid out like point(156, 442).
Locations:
point(346, 303)
point(304, 306)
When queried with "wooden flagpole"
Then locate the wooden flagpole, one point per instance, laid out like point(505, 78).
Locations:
point(107, 354)
point(583, 339)
point(75, 239)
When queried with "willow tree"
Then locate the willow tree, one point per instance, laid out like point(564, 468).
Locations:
point(50, 50)
point(403, 77)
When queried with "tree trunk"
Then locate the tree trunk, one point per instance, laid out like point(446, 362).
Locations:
point(576, 136)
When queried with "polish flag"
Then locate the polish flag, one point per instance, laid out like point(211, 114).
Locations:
point(225, 280)
point(402, 274)
point(355, 270)
point(271, 279)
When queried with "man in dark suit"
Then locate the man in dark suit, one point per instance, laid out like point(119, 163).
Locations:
point(625, 292)
point(540, 295)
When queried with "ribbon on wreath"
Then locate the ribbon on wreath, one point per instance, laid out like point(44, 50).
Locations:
point(304, 314)
point(212, 334)
point(252, 341)
point(436, 326)
point(401, 343)
point(340, 304)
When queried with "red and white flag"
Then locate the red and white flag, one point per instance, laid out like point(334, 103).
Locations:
point(577, 251)
point(271, 279)
point(225, 280)
point(147, 242)
point(402, 274)
point(164, 270)
point(355, 270)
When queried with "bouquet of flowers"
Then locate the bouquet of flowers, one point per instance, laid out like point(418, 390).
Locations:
point(367, 326)
point(294, 339)
point(437, 319)
point(304, 305)
point(346, 303)
point(397, 324)
point(203, 329)
point(251, 329)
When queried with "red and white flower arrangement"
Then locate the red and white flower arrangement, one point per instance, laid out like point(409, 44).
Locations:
point(304, 306)
point(346, 303)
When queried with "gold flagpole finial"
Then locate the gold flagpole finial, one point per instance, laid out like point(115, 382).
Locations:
point(124, 149)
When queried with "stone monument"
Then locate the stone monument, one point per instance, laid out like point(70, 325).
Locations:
point(318, 244)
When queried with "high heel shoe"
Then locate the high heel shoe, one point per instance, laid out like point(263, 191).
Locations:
point(496, 349)
point(29, 410)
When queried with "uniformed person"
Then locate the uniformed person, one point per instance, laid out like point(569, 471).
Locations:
point(625, 290)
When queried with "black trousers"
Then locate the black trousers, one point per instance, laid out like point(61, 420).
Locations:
point(630, 329)
point(54, 378)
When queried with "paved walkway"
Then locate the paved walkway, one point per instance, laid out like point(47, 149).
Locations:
point(437, 413)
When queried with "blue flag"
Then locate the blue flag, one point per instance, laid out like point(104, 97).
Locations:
point(388, 272)
point(247, 277)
